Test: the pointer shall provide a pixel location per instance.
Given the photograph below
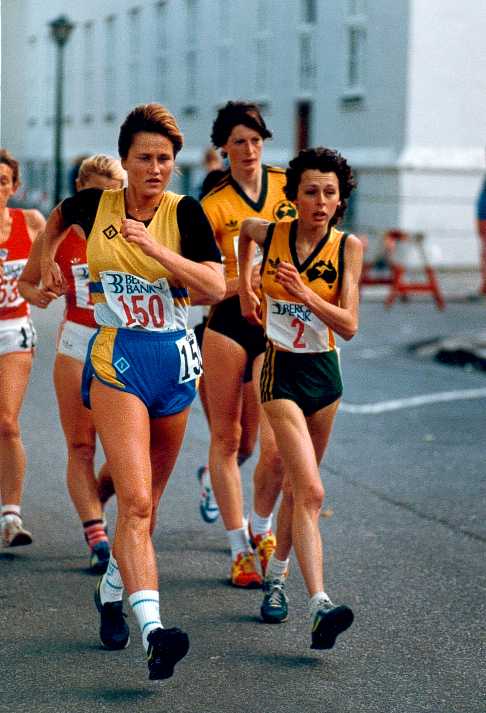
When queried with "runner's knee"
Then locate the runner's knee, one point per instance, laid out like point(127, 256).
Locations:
point(136, 512)
point(82, 451)
point(9, 427)
point(227, 439)
point(311, 497)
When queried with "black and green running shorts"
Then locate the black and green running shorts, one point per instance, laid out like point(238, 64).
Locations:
point(312, 381)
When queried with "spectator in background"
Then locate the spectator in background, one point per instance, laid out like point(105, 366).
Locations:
point(481, 228)
point(214, 171)
point(74, 171)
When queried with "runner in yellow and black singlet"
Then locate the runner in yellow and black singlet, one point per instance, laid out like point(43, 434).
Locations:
point(233, 349)
point(310, 291)
point(147, 247)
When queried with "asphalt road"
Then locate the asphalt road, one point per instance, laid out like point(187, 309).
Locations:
point(405, 547)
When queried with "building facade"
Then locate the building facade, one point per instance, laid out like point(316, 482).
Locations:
point(399, 87)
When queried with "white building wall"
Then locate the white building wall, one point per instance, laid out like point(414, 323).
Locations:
point(411, 122)
point(442, 162)
point(12, 112)
point(367, 125)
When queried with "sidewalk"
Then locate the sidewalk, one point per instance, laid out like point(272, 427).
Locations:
point(457, 285)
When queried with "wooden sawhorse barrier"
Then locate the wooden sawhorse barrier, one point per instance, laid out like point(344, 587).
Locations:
point(399, 247)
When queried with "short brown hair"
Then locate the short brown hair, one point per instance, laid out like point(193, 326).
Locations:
point(234, 113)
point(7, 158)
point(101, 165)
point(153, 118)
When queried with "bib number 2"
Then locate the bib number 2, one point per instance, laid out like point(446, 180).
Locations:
point(190, 358)
point(298, 342)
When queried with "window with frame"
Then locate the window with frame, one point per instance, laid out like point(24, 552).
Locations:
point(262, 49)
point(307, 62)
point(308, 11)
point(33, 82)
point(191, 58)
point(48, 94)
point(88, 71)
point(356, 50)
point(224, 48)
point(70, 104)
point(134, 46)
point(161, 55)
point(261, 57)
point(110, 78)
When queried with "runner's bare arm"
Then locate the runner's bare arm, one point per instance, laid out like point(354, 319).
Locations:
point(29, 279)
point(55, 233)
point(205, 278)
point(253, 232)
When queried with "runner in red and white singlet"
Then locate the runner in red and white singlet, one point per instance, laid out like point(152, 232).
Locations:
point(87, 492)
point(18, 229)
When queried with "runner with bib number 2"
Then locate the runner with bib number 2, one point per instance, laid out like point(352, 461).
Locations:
point(310, 287)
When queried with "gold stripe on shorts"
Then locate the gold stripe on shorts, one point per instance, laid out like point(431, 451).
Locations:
point(102, 356)
point(268, 373)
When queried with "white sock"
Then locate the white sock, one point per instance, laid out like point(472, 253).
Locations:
point(260, 525)
point(111, 587)
point(238, 540)
point(316, 601)
point(145, 605)
point(276, 569)
point(11, 509)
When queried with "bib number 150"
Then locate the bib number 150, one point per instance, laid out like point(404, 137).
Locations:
point(190, 358)
point(146, 312)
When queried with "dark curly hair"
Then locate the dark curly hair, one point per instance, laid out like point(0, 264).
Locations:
point(327, 161)
point(234, 113)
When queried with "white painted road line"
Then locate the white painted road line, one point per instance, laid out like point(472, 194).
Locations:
point(413, 401)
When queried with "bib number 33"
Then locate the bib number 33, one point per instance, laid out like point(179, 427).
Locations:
point(190, 358)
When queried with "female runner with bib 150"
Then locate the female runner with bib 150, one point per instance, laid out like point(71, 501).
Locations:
point(18, 229)
point(76, 329)
point(146, 247)
point(310, 287)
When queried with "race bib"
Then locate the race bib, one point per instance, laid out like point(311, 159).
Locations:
point(9, 293)
point(190, 356)
point(81, 286)
point(294, 327)
point(139, 303)
point(257, 259)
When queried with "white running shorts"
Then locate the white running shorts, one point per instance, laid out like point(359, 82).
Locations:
point(17, 335)
point(73, 340)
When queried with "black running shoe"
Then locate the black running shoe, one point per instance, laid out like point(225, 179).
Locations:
point(329, 622)
point(99, 557)
point(166, 648)
point(274, 609)
point(114, 631)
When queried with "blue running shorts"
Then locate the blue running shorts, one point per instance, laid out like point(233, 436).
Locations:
point(160, 368)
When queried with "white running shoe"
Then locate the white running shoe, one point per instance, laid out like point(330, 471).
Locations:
point(12, 532)
point(208, 507)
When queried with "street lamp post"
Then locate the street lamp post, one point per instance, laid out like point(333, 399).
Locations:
point(61, 29)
